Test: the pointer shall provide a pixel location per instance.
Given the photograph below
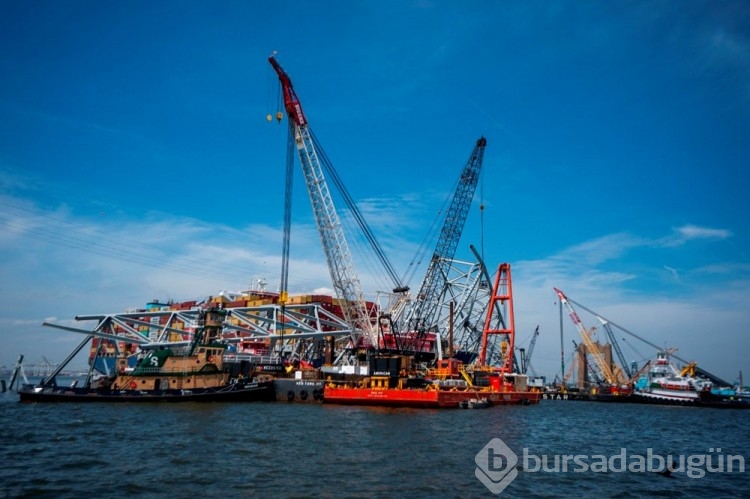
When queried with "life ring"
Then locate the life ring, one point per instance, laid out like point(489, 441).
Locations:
point(133, 385)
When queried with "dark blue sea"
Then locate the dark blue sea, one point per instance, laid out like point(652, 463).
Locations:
point(303, 450)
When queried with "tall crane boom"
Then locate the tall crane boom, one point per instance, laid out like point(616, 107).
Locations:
point(423, 314)
point(526, 356)
point(340, 264)
point(593, 350)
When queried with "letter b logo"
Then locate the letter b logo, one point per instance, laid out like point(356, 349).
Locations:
point(496, 465)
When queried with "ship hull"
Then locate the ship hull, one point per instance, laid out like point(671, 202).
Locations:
point(422, 398)
point(236, 392)
point(664, 397)
point(701, 399)
point(590, 397)
point(298, 390)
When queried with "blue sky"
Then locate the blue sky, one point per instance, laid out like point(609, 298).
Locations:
point(136, 161)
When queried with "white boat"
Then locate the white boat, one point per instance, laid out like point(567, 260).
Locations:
point(665, 384)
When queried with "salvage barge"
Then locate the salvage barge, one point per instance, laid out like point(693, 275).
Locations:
point(450, 385)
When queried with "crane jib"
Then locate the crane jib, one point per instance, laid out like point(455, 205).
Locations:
point(291, 102)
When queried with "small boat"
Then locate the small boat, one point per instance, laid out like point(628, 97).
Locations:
point(475, 403)
point(192, 373)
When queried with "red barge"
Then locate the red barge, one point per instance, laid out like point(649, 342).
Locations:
point(394, 382)
point(450, 385)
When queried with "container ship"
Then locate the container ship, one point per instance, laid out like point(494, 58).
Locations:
point(161, 321)
point(258, 337)
point(172, 322)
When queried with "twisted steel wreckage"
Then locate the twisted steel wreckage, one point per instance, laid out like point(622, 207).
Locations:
point(450, 343)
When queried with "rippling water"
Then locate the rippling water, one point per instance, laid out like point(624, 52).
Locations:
point(305, 450)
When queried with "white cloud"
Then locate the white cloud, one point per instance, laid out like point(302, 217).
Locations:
point(673, 271)
point(727, 268)
point(686, 233)
point(601, 249)
point(689, 232)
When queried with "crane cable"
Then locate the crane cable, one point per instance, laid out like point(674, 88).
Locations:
point(355, 212)
point(270, 104)
point(283, 292)
point(481, 213)
point(279, 114)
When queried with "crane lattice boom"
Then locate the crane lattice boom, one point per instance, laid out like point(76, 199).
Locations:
point(423, 315)
point(526, 356)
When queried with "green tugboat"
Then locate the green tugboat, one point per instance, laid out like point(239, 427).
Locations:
point(183, 373)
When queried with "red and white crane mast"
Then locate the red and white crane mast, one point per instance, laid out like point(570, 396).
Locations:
point(340, 264)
